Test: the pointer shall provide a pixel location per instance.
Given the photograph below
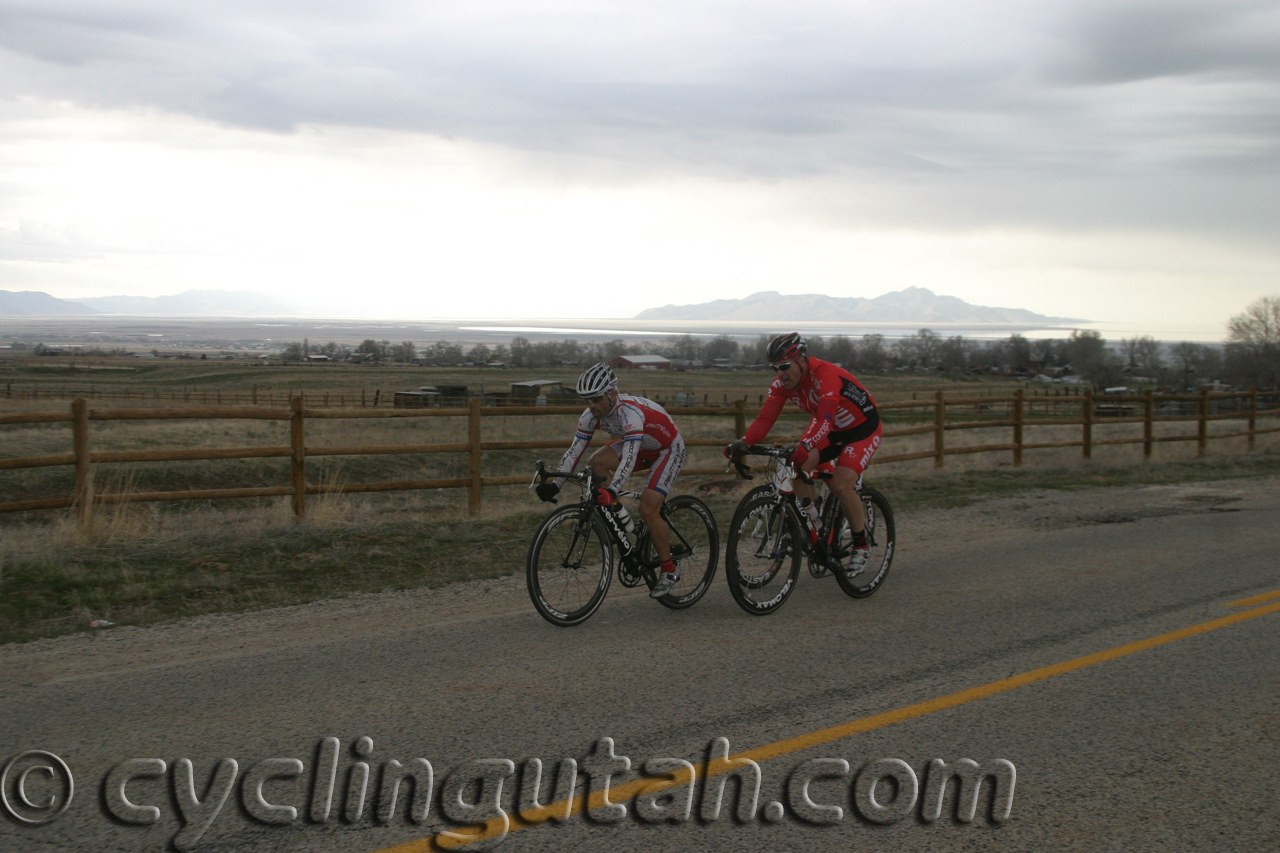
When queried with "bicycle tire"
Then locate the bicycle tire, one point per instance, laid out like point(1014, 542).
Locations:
point(693, 527)
point(762, 557)
point(879, 535)
point(569, 566)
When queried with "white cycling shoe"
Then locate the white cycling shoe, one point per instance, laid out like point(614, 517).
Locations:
point(857, 564)
point(666, 580)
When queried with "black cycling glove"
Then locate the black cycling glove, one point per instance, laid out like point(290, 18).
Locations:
point(548, 491)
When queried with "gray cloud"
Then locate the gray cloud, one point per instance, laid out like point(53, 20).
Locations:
point(1072, 114)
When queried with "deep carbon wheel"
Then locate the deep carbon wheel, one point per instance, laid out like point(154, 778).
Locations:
point(695, 546)
point(880, 537)
point(762, 559)
point(569, 567)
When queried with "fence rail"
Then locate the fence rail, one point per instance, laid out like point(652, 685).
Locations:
point(1005, 413)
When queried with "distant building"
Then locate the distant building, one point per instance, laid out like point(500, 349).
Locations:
point(533, 388)
point(642, 362)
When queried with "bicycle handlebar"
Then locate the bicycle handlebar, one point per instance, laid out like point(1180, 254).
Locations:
point(776, 451)
point(541, 475)
point(586, 477)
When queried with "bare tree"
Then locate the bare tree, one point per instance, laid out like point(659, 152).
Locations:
point(1195, 360)
point(1142, 354)
point(872, 354)
point(404, 351)
point(685, 347)
point(1088, 355)
point(920, 349)
point(721, 346)
point(1253, 349)
point(955, 354)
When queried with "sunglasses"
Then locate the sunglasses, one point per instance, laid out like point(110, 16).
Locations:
point(596, 399)
point(782, 368)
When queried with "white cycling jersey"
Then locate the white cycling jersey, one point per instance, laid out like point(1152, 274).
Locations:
point(642, 425)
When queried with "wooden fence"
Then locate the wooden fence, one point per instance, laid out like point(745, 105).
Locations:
point(332, 397)
point(1012, 413)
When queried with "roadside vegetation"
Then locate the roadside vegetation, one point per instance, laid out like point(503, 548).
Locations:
point(146, 563)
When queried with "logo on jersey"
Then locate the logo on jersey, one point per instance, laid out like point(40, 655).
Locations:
point(850, 390)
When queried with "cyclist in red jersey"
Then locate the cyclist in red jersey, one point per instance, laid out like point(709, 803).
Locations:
point(647, 439)
point(845, 428)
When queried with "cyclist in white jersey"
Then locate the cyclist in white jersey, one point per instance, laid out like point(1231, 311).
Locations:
point(645, 439)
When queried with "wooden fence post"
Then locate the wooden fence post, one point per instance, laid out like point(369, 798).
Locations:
point(1148, 423)
point(939, 424)
point(298, 462)
point(1202, 432)
point(740, 418)
point(473, 455)
point(1017, 427)
point(1086, 410)
point(1253, 414)
point(84, 472)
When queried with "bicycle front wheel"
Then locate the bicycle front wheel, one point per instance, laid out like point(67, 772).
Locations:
point(879, 537)
point(569, 566)
point(762, 558)
point(695, 547)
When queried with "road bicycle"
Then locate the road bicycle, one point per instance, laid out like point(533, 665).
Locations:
point(574, 550)
point(770, 534)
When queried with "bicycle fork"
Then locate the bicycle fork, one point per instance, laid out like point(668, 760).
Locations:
point(771, 536)
point(578, 546)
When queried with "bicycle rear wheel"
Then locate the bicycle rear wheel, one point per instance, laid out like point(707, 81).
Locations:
point(695, 547)
point(569, 566)
point(762, 559)
point(879, 537)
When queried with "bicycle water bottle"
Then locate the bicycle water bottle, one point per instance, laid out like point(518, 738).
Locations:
point(810, 513)
point(624, 518)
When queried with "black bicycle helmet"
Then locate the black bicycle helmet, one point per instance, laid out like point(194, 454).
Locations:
point(786, 346)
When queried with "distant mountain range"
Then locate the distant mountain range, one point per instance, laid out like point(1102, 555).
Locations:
point(231, 303)
point(35, 303)
point(912, 305)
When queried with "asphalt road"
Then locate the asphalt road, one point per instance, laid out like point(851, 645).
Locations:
point(1171, 746)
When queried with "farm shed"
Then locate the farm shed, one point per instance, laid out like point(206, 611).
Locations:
point(642, 362)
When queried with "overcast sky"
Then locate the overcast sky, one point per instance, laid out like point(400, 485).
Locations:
point(1113, 160)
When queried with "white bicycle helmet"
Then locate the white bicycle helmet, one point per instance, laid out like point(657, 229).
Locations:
point(596, 380)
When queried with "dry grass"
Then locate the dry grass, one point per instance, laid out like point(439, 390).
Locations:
point(145, 562)
point(139, 564)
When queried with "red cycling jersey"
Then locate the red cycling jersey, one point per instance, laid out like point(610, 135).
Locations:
point(843, 411)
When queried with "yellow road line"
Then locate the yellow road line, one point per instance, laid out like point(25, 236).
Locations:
point(1257, 599)
point(621, 793)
